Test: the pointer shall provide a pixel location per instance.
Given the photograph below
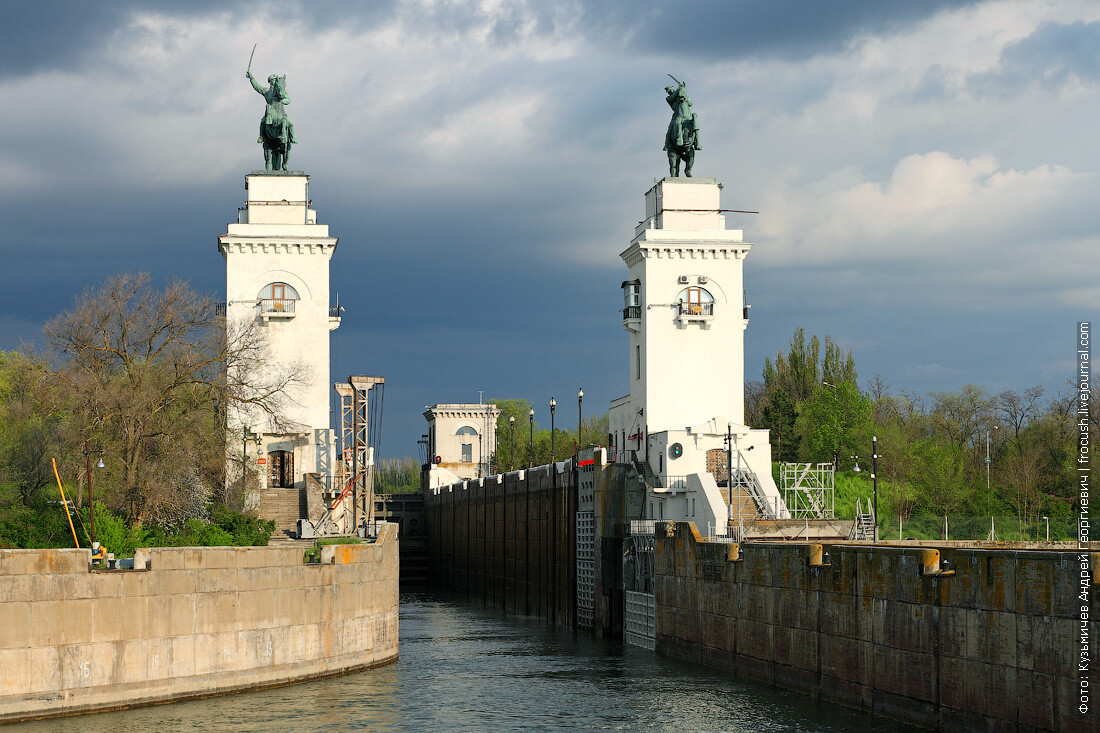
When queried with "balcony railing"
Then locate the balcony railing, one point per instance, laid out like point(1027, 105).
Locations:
point(334, 311)
point(632, 313)
point(219, 309)
point(277, 306)
point(696, 309)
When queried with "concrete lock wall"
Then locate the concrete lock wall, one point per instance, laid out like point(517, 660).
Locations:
point(992, 646)
point(507, 541)
point(194, 622)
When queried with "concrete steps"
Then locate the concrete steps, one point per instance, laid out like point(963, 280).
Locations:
point(282, 507)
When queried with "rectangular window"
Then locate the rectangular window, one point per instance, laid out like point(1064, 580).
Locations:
point(637, 362)
point(467, 453)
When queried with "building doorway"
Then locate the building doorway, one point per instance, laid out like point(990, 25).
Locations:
point(281, 471)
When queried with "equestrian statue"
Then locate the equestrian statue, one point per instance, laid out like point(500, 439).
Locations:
point(276, 129)
point(682, 137)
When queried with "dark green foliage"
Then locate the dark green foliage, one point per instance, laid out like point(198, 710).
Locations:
point(397, 476)
point(44, 525)
point(779, 416)
point(932, 448)
point(39, 525)
point(593, 433)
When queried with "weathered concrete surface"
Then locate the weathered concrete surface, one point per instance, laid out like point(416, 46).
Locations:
point(509, 541)
point(991, 647)
point(196, 622)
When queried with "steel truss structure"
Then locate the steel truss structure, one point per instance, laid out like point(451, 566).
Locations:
point(808, 490)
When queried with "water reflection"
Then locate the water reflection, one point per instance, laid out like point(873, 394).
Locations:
point(465, 668)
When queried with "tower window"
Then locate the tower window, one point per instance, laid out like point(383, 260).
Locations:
point(278, 298)
point(632, 299)
point(695, 301)
point(467, 430)
point(467, 452)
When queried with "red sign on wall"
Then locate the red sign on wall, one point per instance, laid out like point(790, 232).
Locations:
point(261, 461)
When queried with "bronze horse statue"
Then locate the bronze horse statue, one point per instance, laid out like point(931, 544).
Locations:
point(682, 137)
point(276, 129)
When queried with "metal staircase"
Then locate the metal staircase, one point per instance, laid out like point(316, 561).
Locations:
point(864, 528)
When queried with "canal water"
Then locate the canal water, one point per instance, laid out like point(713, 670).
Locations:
point(466, 668)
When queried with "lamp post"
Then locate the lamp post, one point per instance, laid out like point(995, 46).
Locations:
point(531, 440)
point(874, 478)
point(1047, 520)
point(580, 418)
point(836, 424)
point(88, 478)
point(247, 435)
point(553, 404)
point(987, 436)
point(512, 440)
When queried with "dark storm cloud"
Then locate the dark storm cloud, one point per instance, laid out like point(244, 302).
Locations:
point(794, 29)
point(56, 34)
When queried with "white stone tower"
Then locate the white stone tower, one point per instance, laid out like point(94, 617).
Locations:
point(277, 281)
point(684, 309)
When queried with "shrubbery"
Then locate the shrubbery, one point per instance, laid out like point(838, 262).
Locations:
point(45, 525)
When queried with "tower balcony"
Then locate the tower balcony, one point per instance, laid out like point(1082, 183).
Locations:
point(632, 318)
point(276, 308)
point(698, 312)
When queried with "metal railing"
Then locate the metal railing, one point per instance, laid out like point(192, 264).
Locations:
point(674, 482)
point(277, 305)
point(219, 309)
point(334, 311)
point(632, 313)
point(696, 309)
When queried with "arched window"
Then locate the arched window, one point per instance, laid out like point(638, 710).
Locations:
point(278, 298)
point(466, 431)
point(695, 301)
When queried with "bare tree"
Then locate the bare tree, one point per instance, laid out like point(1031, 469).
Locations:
point(148, 373)
point(1019, 410)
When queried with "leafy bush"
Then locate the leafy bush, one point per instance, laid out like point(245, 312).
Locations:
point(39, 525)
point(112, 532)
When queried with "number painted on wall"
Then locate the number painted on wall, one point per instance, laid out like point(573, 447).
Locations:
point(270, 649)
point(155, 661)
point(85, 669)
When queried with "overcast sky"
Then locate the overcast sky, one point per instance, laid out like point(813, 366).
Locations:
point(926, 175)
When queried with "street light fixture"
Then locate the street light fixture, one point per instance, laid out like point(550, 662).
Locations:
point(836, 424)
point(512, 447)
point(856, 468)
point(531, 443)
point(874, 478)
point(580, 418)
point(88, 478)
point(987, 436)
point(1047, 520)
point(553, 404)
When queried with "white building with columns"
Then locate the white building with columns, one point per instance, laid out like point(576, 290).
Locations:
point(462, 439)
point(684, 311)
point(277, 283)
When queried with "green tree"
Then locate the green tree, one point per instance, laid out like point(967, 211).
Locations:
point(780, 416)
point(835, 424)
point(148, 376)
point(31, 428)
point(593, 428)
point(939, 477)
